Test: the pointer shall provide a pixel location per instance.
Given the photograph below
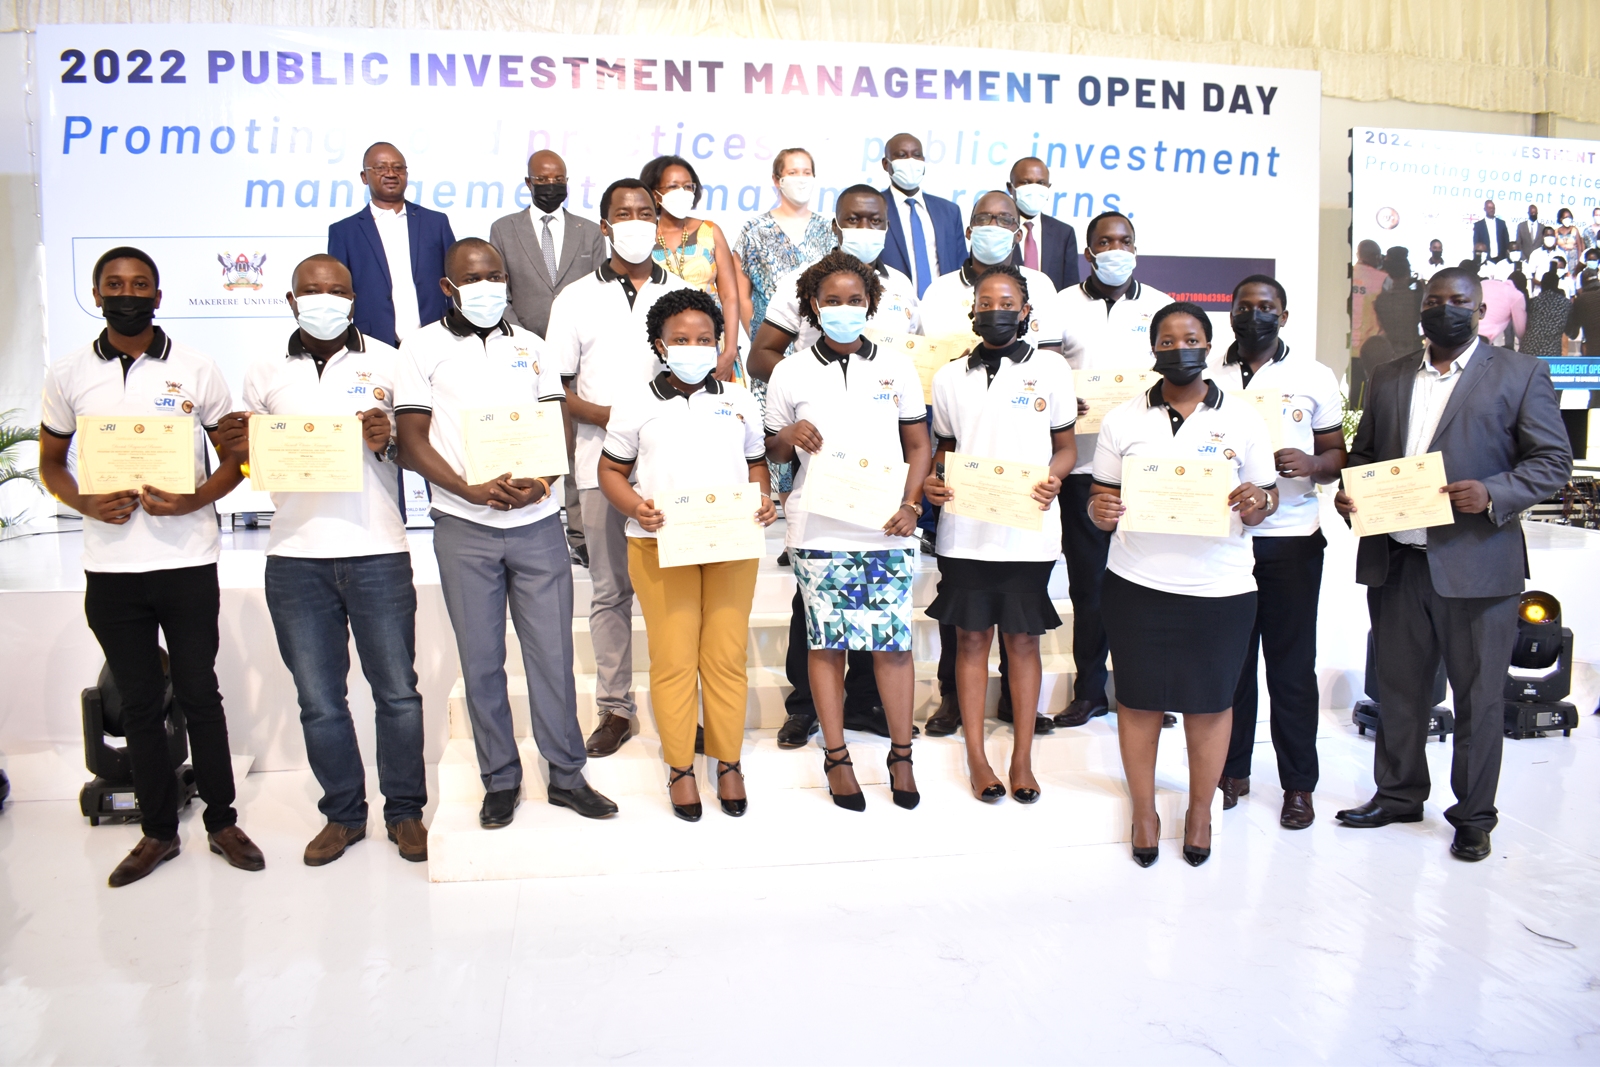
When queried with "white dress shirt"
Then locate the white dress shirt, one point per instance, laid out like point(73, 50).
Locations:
point(395, 233)
point(901, 200)
point(1429, 396)
point(558, 228)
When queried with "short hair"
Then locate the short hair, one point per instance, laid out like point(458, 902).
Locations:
point(1179, 307)
point(1460, 274)
point(1264, 279)
point(619, 184)
point(1008, 271)
point(676, 302)
point(466, 243)
point(126, 252)
point(320, 257)
point(1088, 231)
point(859, 189)
point(379, 144)
point(1551, 279)
point(981, 193)
point(778, 161)
point(836, 262)
point(653, 170)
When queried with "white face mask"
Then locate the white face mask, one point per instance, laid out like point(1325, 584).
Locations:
point(797, 188)
point(633, 240)
point(1114, 266)
point(323, 315)
point(677, 203)
point(483, 303)
point(866, 245)
point(907, 173)
point(1032, 199)
point(691, 363)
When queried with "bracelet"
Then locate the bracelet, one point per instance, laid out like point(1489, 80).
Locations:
point(545, 482)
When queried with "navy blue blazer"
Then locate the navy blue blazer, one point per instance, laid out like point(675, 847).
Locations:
point(355, 243)
point(948, 231)
point(1058, 251)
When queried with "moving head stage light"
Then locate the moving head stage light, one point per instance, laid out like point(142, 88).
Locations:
point(110, 797)
point(1541, 671)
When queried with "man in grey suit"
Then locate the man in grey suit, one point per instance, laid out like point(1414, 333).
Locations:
point(544, 249)
point(1452, 590)
point(1529, 232)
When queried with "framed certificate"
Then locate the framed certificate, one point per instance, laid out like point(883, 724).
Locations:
point(995, 490)
point(528, 441)
point(854, 488)
point(306, 453)
point(713, 524)
point(1268, 405)
point(1176, 496)
point(118, 452)
point(1399, 494)
point(1104, 390)
point(930, 354)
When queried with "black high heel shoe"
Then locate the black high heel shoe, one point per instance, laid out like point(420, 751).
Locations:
point(1192, 853)
point(856, 801)
point(737, 807)
point(1144, 857)
point(686, 812)
point(904, 798)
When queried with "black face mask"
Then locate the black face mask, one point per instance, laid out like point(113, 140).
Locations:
point(1180, 366)
point(549, 197)
point(128, 315)
point(1255, 329)
point(1447, 325)
point(999, 327)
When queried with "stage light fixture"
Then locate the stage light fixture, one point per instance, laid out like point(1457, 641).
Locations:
point(1441, 720)
point(110, 797)
point(5, 790)
point(1541, 671)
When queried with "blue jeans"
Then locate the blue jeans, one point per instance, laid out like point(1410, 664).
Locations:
point(312, 602)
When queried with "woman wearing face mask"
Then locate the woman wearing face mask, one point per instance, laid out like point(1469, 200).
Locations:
point(694, 249)
point(1005, 402)
point(846, 394)
point(1569, 239)
point(1179, 608)
point(682, 430)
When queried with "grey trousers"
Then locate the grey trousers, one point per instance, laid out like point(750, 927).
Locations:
point(569, 487)
point(480, 568)
point(1412, 626)
point(611, 608)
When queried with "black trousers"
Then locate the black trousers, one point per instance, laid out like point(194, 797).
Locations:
point(124, 611)
point(1085, 545)
point(1288, 583)
point(860, 684)
point(1412, 626)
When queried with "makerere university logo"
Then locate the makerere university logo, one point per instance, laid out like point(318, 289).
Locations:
point(241, 272)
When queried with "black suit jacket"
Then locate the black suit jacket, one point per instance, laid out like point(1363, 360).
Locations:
point(1058, 251)
point(1502, 427)
point(1480, 236)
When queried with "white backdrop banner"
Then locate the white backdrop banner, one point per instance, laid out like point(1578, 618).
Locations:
point(226, 151)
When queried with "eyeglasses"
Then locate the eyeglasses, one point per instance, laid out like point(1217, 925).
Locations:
point(688, 187)
point(548, 179)
point(387, 168)
point(1010, 222)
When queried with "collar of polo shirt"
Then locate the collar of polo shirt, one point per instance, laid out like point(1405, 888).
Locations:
point(159, 348)
point(1213, 398)
point(462, 326)
point(1019, 351)
point(353, 341)
point(658, 274)
point(826, 355)
point(1278, 357)
point(1091, 288)
point(661, 385)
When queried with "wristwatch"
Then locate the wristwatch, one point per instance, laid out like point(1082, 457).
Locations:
point(915, 506)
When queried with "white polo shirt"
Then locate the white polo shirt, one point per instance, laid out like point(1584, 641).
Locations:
point(597, 340)
point(445, 369)
point(947, 305)
point(1097, 337)
point(357, 378)
point(709, 437)
point(1312, 404)
point(857, 403)
point(1010, 418)
point(1218, 429)
point(897, 308)
point(168, 379)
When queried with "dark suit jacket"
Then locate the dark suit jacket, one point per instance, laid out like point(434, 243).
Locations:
point(583, 249)
point(1502, 427)
point(1480, 236)
point(948, 230)
point(1058, 251)
point(355, 243)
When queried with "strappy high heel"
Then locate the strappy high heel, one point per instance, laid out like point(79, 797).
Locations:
point(686, 812)
point(1144, 857)
point(904, 798)
point(737, 807)
point(856, 801)
point(1193, 853)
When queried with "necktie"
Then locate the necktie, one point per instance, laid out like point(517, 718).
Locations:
point(1030, 248)
point(919, 249)
point(548, 244)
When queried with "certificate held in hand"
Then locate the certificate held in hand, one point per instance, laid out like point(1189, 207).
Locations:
point(854, 488)
point(995, 490)
point(711, 525)
point(930, 354)
point(121, 452)
point(1176, 496)
point(1269, 406)
point(306, 453)
point(1105, 391)
point(1398, 494)
point(528, 441)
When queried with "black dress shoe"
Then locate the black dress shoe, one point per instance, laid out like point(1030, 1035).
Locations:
point(583, 800)
point(580, 555)
point(1168, 720)
point(1079, 712)
point(945, 721)
point(608, 736)
point(499, 806)
point(1471, 844)
point(1373, 814)
point(796, 730)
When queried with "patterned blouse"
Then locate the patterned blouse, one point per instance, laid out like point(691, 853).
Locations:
point(694, 259)
point(1547, 319)
point(766, 252)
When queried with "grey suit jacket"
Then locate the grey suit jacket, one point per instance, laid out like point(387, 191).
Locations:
point(1502, 427)
point(1528, 237)
point(583, 249)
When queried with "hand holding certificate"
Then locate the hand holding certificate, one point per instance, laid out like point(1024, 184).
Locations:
point(1106, 390)
point(1398, 494)
point(995, 490)
point(711, 525)
point(118, 452)
point(928, 353)
point(1176, 496)
point(854, 488)
point(1269, 406)
point(306, 453)
point(528, 441)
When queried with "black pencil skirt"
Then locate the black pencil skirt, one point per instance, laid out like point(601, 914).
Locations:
point(1172, 652)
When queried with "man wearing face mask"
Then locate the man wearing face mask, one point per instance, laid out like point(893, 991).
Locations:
point(1106, 327)
point(1435, 259)
point(924, 230)
point(1452, 590)
point(338, 563)
point(499, 541)
point(598, 342)
point(1048, 244)
point(995, 231)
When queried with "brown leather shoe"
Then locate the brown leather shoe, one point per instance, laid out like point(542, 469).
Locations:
point(411, 836)
point(608, 736)
point(149, 853)
point(232, 845)
point(1233, 789)
point(330, 843)
point(1297, 811)
point(946, 720)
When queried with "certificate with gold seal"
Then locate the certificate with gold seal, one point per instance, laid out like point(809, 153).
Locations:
point(713, 524)
point(853, 487)
point(306, 453)
point(528, 441)
point(1177, 496)
point(120, 452)
point(929, 354)
point(1268, 405)
point(1399, 494)
point(995, 490)
point(1106, 390)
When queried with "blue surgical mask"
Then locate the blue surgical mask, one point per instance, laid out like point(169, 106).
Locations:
point(483, 303)
point(323, 315)
point(1114, 266)
point(866, 245)
point(1033, 199)
point(842, 323)
point(691, 363)
point(992, 244)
